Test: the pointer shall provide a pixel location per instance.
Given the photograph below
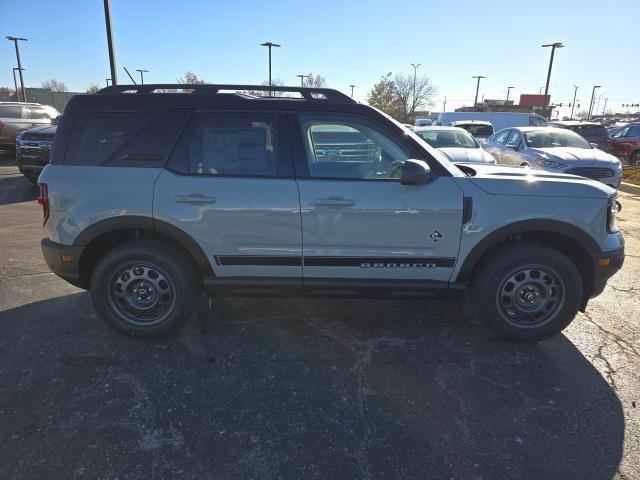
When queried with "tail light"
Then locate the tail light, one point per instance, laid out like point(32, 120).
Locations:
point(43, 199)
point(1, 124)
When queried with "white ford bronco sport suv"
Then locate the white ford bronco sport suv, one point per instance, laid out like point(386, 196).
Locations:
point(154, 195)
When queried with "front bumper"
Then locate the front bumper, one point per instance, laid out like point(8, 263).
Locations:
point(63, 260)
point(605, 265)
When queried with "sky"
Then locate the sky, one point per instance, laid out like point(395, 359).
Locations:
point(348, 42)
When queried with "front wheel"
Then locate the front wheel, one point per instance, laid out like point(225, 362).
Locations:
point(145, 288)
point(527, 292)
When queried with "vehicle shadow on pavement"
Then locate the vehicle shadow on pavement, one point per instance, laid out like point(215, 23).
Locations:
point(16, 189)
point(296, 389)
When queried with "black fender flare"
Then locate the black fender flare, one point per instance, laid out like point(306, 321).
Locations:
point(522, 227)
point(130, 222)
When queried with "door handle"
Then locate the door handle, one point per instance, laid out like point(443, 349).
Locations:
point(333, 202)
point(195, 199)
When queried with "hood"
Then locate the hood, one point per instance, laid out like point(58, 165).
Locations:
point(522, 181)
point(41, 131)
point(566, 154)
point(464, 155)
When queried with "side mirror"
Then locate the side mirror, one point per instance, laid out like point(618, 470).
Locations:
point(594, 145)
point(415, 172)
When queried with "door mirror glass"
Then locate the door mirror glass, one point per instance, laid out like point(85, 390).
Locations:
point(594, 145)
point(415, 172)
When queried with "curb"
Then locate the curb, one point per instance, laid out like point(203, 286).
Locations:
point(629, 188)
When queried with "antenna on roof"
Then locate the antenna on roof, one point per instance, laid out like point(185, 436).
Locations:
point(134, 82)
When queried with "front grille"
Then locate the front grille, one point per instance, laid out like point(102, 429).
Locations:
point(37, 137)
point(591, 172)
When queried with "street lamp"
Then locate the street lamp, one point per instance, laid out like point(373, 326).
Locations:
point(112, 52)
point(475, 101)
point(302, 77)
point(573, 105)
point(593, 94)
point(598, 104)
point(553, 50)
point(15, 83)
point(142, 72)
point(15, 40)
point(352, 87)
point(270, 45)
point(508, 90)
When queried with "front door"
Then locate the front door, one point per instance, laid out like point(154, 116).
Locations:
point(358, 221)
point(230, 186)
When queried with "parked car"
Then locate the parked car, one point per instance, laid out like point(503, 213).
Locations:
point(18, 116)
point(625, 143)
point(151, 197)
point(591, 131)
point(555, 150)
point(479, 129)
point(456, 143)
point(499, 120)
point(32, 149)
point(423, 122)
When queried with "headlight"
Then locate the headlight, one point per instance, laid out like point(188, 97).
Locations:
point(612, 213)
point(544, 163)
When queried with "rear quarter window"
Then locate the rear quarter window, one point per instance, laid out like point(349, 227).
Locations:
point(98, 137)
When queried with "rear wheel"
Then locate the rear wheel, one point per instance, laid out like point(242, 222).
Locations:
point(527, 292)
point(145, 289)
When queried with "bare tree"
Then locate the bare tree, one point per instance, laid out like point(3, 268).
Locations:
point(315, 81)
point(412, 93)
point(191, 79)
point(276, 82)
point(55, 85)
point(93, 88)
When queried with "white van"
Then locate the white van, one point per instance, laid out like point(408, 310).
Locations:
point(499, 120)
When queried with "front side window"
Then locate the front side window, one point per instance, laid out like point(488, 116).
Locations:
point(537, 122)
point(448, 139)
point(634, 131)
point(514, 139)
point(233, 144)
point(501, 137)
point(97, 137)
point(555, 138)
point(348, 148)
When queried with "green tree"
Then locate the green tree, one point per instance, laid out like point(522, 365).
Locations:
point(382, 95)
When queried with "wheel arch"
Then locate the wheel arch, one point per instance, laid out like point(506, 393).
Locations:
point(570, 240)
point(101, 236)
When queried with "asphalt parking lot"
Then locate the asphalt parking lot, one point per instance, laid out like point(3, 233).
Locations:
point(293, 388)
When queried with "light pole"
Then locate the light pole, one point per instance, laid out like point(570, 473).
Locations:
point(553, 51)
point(605, 106)
point(475, 101)
point(270, 45)
point(444, 104)
point(15, 83)
point(508, 90)
point(302, 77)
point(598, 104)
point(112, 52)
point(593, 94)
point(15, 40)
point(142, 72)
point(573, 105)
point(352, 87)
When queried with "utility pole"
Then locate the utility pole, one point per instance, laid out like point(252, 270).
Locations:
point(141, 75)
point(112, 53)
point(593, 94)
point(605, 106)
point(15, 40)
point(302, 77)
point(352, 87)
point(415, 78)
point(15, 83)
point(508, 90)
point(269, 45)
point(553, 51)
point(573, 105)
point(598, 105)
point(475, 101)
point(444, 105)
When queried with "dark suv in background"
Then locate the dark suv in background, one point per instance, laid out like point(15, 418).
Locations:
point(33, 147)
point(590, 131)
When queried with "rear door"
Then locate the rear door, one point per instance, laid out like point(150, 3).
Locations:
point(230, 186)
point(358, 221)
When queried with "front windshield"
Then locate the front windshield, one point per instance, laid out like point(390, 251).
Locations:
point(448, 139)
point(555, 138)
point(478, 130)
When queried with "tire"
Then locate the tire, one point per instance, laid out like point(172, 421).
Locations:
point(635, 158)
point(526, 292)
point(145, 289)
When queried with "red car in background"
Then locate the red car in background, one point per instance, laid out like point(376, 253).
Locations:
point(625, 143)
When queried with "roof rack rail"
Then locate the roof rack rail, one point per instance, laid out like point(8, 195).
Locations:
point(308, 93)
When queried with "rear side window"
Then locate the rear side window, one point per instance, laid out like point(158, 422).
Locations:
point(36, 113)
point(97, 137)
point(232, 144)
point(10, 111)
point(590, 131)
